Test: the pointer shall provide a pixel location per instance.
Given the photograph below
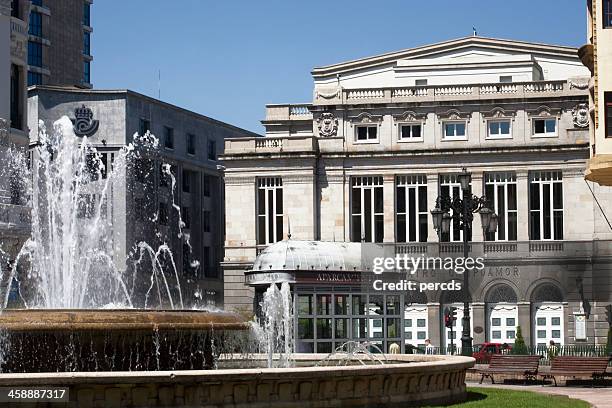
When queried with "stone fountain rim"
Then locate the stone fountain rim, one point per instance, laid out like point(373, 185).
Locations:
point(48, 320)
point(403, 363)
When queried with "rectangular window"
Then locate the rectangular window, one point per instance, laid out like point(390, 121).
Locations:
point(500, 190)
point(144, 126)
point(86, 43)
point(499, 129)
point(34, 54)
point(450, 187)
point(186, 181)
point(504, 79)
point(212, 150)
point(206, 221)
point(37, 3)
point(411, 208)
point(15, 11)
point(34, 78)
point(608, 102)
point(366, 133)
point(191, 144)
point(185, 216)
point(367, 209)
point(607, 13)
point(454, 130)
point(35, 24)
point(545, 205)
point(15, 98)
point(269, 210)
point(87, 72)
point(206, 186)
point(410, 132)
point(545, 127)
point(163, 213)
point(168, 137)
point(420, 82)
point(86, 14)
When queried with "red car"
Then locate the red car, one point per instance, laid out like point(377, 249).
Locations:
point(483, 352)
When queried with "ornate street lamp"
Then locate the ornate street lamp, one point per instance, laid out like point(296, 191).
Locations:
point(461, 210)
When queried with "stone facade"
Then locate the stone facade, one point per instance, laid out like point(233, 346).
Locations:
point(14, 213)
point(62, 30)
point(597, 56)
point(356, 135)
point(121, 114)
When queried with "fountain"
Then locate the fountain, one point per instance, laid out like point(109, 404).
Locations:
point(115, 332)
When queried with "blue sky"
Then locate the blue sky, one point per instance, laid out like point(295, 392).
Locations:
point(228, 59)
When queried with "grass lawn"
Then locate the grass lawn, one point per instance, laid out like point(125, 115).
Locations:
point(498, 398)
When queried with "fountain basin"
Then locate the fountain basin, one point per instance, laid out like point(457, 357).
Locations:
point(406, 380)
point(37, 340)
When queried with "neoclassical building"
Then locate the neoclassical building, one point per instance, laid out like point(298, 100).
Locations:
point(363, 164)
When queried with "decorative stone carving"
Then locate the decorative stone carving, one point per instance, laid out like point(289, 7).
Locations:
point(366, 117)
point(327, 93)
point(543, 110)
point(409, 116)
point(84, 124)
point(578, 84)
point(581, 115)
point(327, 124)
point(18, 49)
point(499, 113)
point(454, 114)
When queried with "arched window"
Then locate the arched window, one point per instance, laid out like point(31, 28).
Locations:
point(547, 292)
point(501, 293)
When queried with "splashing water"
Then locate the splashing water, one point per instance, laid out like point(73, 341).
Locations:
point(277, 311)
point(72, 258)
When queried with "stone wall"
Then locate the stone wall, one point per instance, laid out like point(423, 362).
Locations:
point(408, 380)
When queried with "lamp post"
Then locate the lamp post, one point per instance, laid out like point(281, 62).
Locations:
point(463, 209)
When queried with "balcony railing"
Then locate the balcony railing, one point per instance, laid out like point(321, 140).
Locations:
point(257, 145)
point(288, 112)
point(448, 92)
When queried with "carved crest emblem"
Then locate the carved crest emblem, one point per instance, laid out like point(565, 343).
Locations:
point(327, 124)
point(581, 115)
point(83, 122)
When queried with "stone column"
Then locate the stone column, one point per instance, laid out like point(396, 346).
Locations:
point(524, 320)
point(477, 190)
point(432, 195)
point(433, 324)
point(522, 196)
point(389, 207)
point(479, 319)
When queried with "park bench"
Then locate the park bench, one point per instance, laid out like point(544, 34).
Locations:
point(577, 367)
point(526, 366)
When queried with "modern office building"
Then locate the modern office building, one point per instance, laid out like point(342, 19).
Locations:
point(144, 208)
point(59, 43)
point(14, 214)
point(363, 164)
point(597, 56)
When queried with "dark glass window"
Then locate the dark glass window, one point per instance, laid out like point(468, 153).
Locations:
point(186, 181)
point(411, 209)
point(608, 102)
point(163, 213)
point(269, 210)
point(37, 3)
point(87, 72)
point(191, 144)
point(16, 105)
point(607, 13)
point(168, 137)
point(34, 54)
point(367, 209)
point(87, 43)
point(86, 14)
point(212, 150)
point(365, 133)
point(206, 188)
point(15, 11)
point(500, 190)
point(206, 221)
point(144, 126)
point(36, 24)
point(546, 205)
point(34, 78)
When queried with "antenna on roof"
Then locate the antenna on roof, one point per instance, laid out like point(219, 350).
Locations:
point(475, 33)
